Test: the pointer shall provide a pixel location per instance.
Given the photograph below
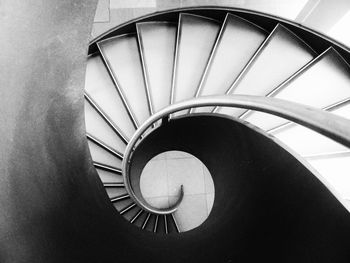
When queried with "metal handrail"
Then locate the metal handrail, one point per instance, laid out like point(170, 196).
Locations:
point(325, 123)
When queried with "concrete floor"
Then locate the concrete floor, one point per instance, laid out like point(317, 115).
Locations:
point(161, 180)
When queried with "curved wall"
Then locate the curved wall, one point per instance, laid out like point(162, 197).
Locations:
point(51, 199)
point(268, 206)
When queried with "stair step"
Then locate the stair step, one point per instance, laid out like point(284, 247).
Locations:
point(100, 155)
point(101, 89)
point(140, 219)
point(343, 109)
point(145, 221)
point(280, 56)
point(157, 45)
point(128, 215)
point(107, 177)
point(335, 170)
point(103, 145)
point(195, 40)
point(113, 192)
point(98, 127)
point(149, 222)
point(238, 40)
point(173, 224)
point(108, 168)
point(127, 208)
point(136, 216)
point(328, 78)
point(163, 227)
point(122, 56)
point(308, 143)
point(122, 204)
point(166, 228)
point(117, 184)
point(120, 198)
point(155, 225)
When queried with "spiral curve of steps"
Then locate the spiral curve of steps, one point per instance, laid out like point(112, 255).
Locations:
point(156, 62)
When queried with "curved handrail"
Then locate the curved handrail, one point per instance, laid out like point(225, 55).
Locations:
point(325, 123)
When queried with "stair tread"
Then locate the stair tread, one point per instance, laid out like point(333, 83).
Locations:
point(157, 40)
point(101, 88)
point(108, 168)
point(109, 177)
point(97, 127)
point(282, 52)
point(328, 77)
point(100, 155)
point(123, 56)
point(104, 146)
point(335, 170)
point(309, 143)
point(196, 38)
point(237, 43)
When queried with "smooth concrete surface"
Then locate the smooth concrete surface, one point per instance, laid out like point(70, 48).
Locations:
point(50, 196)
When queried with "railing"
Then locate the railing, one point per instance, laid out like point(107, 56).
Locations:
point(325, 123)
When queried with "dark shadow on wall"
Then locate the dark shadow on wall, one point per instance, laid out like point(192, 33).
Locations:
point(268, 206)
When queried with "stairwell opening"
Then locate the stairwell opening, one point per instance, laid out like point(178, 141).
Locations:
point(162, 178)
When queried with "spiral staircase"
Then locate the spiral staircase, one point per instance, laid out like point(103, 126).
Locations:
point(235, 88)
point(138, 71)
